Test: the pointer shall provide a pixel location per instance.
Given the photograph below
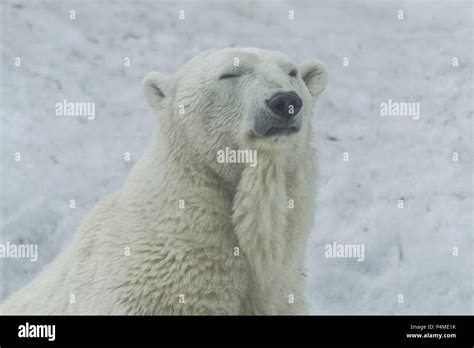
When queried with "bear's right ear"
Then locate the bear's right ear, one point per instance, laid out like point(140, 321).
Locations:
point(155, 86)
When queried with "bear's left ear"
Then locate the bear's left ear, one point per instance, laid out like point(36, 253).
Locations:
point(315, 76)
point(156, 88)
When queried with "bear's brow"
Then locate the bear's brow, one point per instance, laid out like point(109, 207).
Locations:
point(241, 69)
point(287, 66)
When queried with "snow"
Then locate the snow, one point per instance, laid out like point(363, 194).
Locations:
point(408, 251)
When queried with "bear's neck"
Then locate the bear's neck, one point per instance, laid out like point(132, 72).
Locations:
point(260, 217)
point(255, 207)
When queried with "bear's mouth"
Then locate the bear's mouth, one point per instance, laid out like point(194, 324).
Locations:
point(281, 115)
point(273, 131)
point(267, 125)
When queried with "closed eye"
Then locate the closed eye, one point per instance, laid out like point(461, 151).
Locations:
point(227, 76)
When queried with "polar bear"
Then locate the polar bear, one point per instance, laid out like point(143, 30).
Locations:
point(188, 234)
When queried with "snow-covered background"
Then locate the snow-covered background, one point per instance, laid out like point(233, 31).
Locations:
point(408, 251)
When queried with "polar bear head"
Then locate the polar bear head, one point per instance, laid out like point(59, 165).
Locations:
point(240, 98)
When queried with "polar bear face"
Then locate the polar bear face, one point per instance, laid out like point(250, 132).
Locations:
point(241, 98)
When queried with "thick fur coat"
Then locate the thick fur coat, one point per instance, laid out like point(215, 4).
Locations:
point(187, 234)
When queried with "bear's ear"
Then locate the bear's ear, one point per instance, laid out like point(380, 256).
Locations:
point(315, 77)
point(156, 86)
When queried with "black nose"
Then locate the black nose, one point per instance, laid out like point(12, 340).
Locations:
point(285, 104)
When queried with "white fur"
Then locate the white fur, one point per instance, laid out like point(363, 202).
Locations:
point(190, 251)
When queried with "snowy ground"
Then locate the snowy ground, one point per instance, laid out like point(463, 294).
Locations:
point(408, 251)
